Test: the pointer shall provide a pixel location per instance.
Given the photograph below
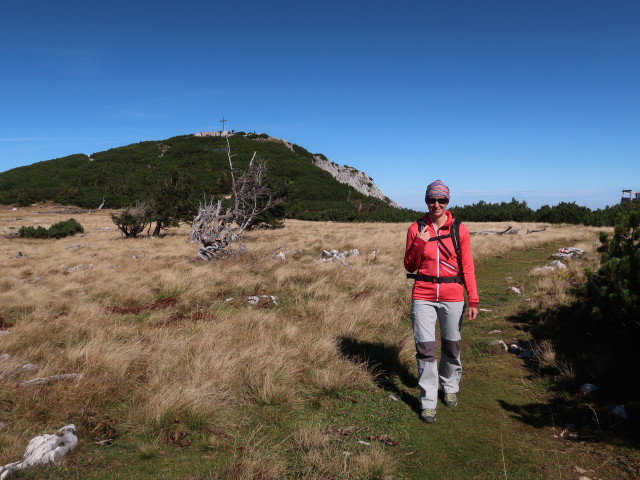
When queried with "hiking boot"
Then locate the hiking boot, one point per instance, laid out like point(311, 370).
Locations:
point(428, 415)
point(450, 399)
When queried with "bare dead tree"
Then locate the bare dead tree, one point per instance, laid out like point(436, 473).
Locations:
point(509, 231)
point(251, 197)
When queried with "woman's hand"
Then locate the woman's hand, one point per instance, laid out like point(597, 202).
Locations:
point(473, 313)
point(424, 234)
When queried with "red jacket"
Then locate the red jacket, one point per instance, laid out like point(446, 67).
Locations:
point(432, 258)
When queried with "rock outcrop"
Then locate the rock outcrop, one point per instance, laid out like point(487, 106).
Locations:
point(353, 177)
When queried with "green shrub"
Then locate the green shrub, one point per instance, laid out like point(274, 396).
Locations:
point(65, 229)
point(57, 230)
point(616, 287)
point(132, 220)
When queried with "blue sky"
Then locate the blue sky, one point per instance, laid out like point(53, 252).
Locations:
point(536, 100)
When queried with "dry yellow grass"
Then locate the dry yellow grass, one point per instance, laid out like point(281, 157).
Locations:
point(160, 336)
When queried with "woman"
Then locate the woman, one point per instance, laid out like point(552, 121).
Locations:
point(444, 271)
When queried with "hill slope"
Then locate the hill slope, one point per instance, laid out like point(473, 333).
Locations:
point(121, 176)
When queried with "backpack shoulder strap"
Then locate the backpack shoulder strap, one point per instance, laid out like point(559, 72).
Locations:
point(455, 236)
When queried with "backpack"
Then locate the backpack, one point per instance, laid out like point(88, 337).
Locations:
point(454, 234)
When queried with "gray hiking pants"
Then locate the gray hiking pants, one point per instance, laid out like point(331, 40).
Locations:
point(423, 318)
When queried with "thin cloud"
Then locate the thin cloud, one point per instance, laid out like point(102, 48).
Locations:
point(72, 60)
point(26, 139)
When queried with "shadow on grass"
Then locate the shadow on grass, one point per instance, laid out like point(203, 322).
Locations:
point(383, 361)
point(584, 351)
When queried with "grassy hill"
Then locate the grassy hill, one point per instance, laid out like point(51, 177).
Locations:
point(121, 176)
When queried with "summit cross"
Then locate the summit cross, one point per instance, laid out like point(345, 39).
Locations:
point(223, 122)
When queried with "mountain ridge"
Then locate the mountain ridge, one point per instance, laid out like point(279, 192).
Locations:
point(315, 188)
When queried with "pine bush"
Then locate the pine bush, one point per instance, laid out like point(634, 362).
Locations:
point(616, 287)
point(57, 230)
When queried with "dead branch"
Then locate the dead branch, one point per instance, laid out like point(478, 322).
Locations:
point(536, 230)
point(216, 229)
point(52, 378)
point(491, 232)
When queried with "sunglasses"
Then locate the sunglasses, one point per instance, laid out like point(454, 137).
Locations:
point(441, 201)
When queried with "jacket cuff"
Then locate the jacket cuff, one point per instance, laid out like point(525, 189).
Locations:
point(419, 241)
point(473, 304)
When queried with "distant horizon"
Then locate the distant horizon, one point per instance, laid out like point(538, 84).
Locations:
point(414, 200)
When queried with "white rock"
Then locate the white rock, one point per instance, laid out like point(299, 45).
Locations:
point(280, 256)
point(500, 343)
point(588, 388)
point(44, 449)
point(568, 252)
point(495, 331)
point(557, 264)
point(273, 298)
point(360, 181)
point(255, 299)
point(515, 348)
point(515, 290)
point(620, 411)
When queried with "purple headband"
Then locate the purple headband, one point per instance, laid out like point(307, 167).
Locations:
point(437, 189)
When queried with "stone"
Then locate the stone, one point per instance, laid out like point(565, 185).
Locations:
point(515, 348)
point(620, 411)
point(499, 343)
point(44, 449)
point(557, 264)
point(588, 388)
point(568, 252)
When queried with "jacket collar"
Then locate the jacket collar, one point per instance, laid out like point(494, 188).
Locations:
point(447, 223)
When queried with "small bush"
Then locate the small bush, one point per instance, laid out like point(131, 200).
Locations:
point(132, 220)
point(57, 230)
